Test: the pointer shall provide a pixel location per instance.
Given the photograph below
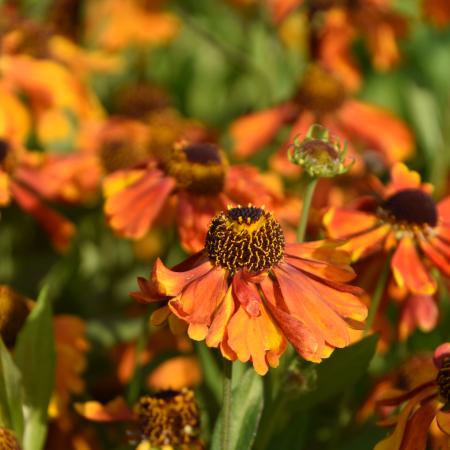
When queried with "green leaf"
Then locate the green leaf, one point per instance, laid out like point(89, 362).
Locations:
point(35, 357)
point(246, 409)
point(11, 399)
point(341, 370)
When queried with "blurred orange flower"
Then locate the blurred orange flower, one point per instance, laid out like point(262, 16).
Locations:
point(405, 221)
point(424, 404)
point(14, 165)
point(249, 293)
point(437, 12)
point(199, 176)
point(322, 99)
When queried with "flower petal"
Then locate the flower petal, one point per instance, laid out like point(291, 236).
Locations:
point(409, 270)
point(114, 411)
point(344, 223)
point(217, 330)
point(443, 421)
point(441, 352)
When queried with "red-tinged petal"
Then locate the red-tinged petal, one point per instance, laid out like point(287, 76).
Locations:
point(305, 342)
point(409, 270)
point(364, 122)
point(303, 301)
point(131, 211)
point(321, 269)
point(328, 251)
point(194, 213)
point(198, 301)
point(253, 131)
point(114, 411)
point(418, 311)
point(217, 330)
point(441, 352)
point(170, 283)
point(280, 9)
point(367, 243)
point(246, 294)
point(58, 228)
point(394, 441)
point(251, 337)
point(436, 256)
point(443, 421)
point(416, 431)
point(443, 208)
point(344, 223)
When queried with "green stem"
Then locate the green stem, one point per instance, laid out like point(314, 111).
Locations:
point(307, 200)
point(377, 295)
point(226, 405)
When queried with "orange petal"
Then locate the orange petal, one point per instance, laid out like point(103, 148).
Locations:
point(253, 131)
point(443, 208)
point(394, 441)
point(176, 373)
point(58, 228)
point(198, 301)
point(409, 270)
point(171, 283)
point(5, 196)
point(344, 223)
point(403, 178)
point(443, 421)
point(280, 9)
point(435, 252)
point(364, 122)
point(367, 243)
point(418, 311)
point(114, 411)
point(132, 210)
point(304, 302)
point(217, 330)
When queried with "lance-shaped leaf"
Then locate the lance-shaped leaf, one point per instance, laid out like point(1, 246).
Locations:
point(35, 357)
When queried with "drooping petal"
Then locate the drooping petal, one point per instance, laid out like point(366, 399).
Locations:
point(115, 411)
point(198, 301)
point(194, 214)
point(253, 131)
point(368, 243)
point(132, 210)
point(409, 270)
point(443, 421)
point(171, 283)
point(344, 223)
point(303, 301)
point(418, 311)
point(364, 122)
point(394, 441)
point(246, 294)
point(436, 255)
point(217, 330)
point(58, 228)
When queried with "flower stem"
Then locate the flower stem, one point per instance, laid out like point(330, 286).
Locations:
point(377, 295)
point(307, 199)
point(226, 405)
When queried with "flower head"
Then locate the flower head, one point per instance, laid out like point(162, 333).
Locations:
point(167, 418)
point(424, 404)
point(405, 221)
point(8, 440)
point(248, 292)
point(319, 154)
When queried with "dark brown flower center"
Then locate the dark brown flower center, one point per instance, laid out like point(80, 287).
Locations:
point(169, 418)
point(198, 167)
point(8, 440)
point(245, 238)
point(443, 380)
point(411, 207)
point(320, 91)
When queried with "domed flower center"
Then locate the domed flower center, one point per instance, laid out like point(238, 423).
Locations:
point(199, 168)
point(245, 238)
point(320, 91)
point(443, 380)
point(8, 440)
point(410, 207)
point(169, 418)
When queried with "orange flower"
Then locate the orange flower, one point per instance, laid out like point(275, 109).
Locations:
point(126, 23)
point(168, 419)
point(322, 99)
point(249, 293)
point(437, 12)
point(202, 182)
point(14, 163)
point(422, 405)
point(405, 221)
